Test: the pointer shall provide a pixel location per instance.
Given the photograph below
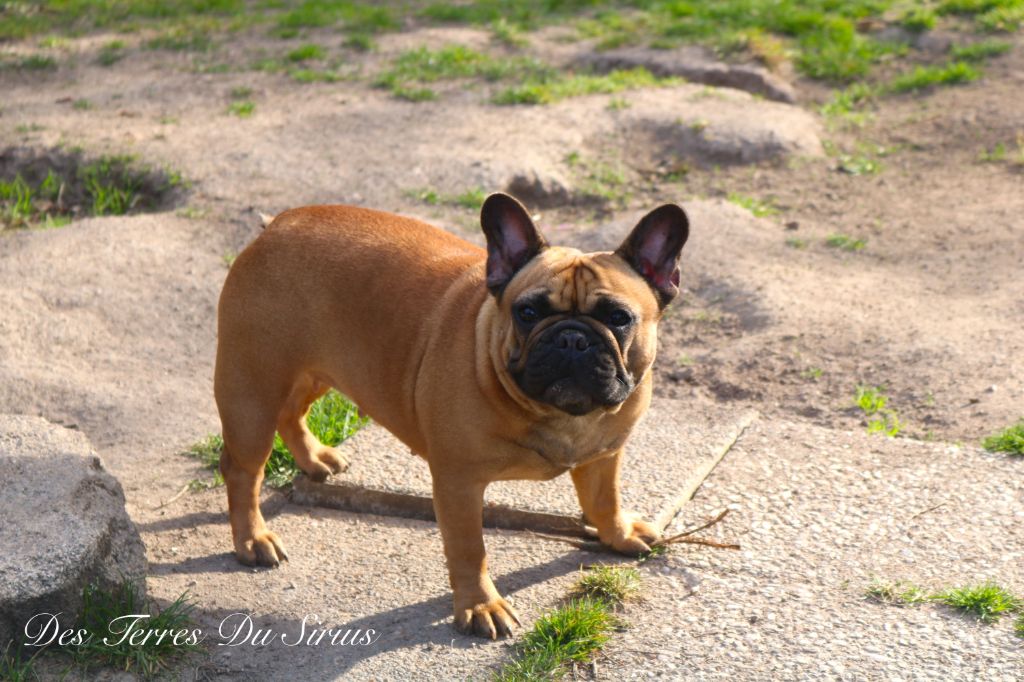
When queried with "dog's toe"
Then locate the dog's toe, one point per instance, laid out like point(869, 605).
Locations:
point(266, 549)
point(333, 460)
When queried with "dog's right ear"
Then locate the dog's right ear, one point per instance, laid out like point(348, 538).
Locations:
point(512, 239)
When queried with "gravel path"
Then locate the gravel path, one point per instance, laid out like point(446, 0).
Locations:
point(818, 514)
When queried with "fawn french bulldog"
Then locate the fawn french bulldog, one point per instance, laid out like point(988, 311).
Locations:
point(523, 361)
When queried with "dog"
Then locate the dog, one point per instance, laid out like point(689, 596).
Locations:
point(521, 361)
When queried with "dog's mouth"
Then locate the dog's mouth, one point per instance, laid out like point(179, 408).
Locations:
point(572, 367)
point(568, 396)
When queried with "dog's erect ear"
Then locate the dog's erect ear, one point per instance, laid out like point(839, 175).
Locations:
point(653, 248)
point(512, 239)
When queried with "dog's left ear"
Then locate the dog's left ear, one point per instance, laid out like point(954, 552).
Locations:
point(512, 239)
point(653, 248)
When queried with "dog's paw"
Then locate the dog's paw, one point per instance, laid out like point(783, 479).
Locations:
point(323, 463)
point(264, 549)
point(630, 535)
point(491, 618)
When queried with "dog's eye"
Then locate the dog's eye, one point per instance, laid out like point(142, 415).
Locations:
point(527, 314)
point(619, 317)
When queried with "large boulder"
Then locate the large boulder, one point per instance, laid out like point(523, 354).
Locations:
point(696, 65)
point(63, 524)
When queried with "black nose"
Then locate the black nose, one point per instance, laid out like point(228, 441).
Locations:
point(572, 339)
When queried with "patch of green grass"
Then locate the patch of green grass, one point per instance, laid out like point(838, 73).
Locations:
point(898, 593)
point(656, 552)
point(16, 665)
point(107, 613)
point(361, 42)
point(412, 69)
point(603, 180)
point(988, 602)
point(881, 419)
point(183, 38)
point(760, 209)
point(356, 17)
point(966, 7)
point(838, 52)
point(849, 99)
point(314, 76)
point(332, 419)
point(845, 242)
point(111, 53)
point(922, 77)
point(980, 51)
point(1007, 19)
point(111, 184)
point(427, 196)
point(28, 128)
point(208, 452)
point(612, 584)
point(306, 52)
point(813, 373)
point(81, 104)
point(919, 19)
point(1010, 440)
point(535, 82)
point(823, 35)
point(243, 109)
point(994, 155)
point(796, 243)
point(471, 199)
point(505, 32)
point(16, 201)
point(870, 399)
point(78, 16)
point(33, 62)
point(570, 634)
point(858, 164)
point(989, 15)
point(552, 87)
point(53, 42)
point(241, 92)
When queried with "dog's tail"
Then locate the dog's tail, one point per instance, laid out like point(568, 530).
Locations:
point(265, 219)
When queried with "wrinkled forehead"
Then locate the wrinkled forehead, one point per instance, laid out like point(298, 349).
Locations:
point(575, 281)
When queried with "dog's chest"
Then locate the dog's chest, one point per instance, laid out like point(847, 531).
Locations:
point(570, 442)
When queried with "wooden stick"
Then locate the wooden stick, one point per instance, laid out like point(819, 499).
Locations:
point(176, 496)
point(678, 536)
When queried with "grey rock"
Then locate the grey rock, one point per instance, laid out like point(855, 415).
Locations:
point(694, 64)
point(64, 524)
point(710, 126)
point(539, 187)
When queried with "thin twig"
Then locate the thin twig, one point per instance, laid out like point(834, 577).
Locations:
point(678, 536)
point(705, 541)
point(929, 509)
point(179, 494)
point(559, 538)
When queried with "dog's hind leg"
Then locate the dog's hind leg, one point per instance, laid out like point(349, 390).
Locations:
point(317, 460)
point(247, 420)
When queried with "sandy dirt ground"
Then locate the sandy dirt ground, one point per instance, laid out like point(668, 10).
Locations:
point(108, 326)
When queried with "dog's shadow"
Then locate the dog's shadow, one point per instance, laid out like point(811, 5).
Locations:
point(423, 624)
point(413, 626)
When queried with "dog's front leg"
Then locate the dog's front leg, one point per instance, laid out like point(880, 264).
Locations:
point(479, 608)
point(597, 486)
